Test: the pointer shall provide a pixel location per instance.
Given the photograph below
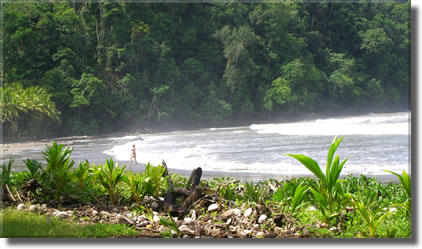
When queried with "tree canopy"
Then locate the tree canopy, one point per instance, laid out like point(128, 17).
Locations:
point(111, 65)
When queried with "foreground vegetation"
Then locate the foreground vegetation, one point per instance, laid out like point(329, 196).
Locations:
point(324, 206)
point(101, 65)
point(32, 225)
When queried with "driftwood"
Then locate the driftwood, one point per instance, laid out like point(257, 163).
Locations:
point(195, 178)
point(7, 195)
point(190, 194)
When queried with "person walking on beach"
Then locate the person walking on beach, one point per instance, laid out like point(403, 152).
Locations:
point(133, 156)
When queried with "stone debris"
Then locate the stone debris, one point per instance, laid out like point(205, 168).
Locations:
point(34, 208)
point(200, 221)
point(21, 207)
point(60, 214)
point(262, 219)
point(248, 212)
point(213, 207)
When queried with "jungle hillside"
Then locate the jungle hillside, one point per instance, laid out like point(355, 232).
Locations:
point(95, 67)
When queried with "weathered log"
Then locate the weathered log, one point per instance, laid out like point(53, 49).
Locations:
point(166, 173)
point(190, 196)
point(195, 178)
point(195, 195)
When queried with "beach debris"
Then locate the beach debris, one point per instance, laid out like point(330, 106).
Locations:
point(34, 208)
point(60, 214)
point(213, 207)
point(262, 218)
point(21, 207)
point(248, 212)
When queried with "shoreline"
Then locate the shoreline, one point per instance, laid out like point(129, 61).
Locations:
point(14, 148)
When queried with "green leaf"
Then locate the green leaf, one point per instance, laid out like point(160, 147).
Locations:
point(311, 164)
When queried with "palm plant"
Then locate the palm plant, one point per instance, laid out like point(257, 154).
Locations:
point(291, 195)
point(34, 168)
point(58, 167)
point(406, 182)
point(17, 100)
point(329, 193)
point(6, 171)
point(82, 173)
point(110, 175)
point(371, 217)
point(153, 177)
point(135, 184)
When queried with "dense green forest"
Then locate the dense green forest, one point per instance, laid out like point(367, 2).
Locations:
point(92, 67)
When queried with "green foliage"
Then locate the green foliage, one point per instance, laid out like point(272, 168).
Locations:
point(6, 170)
point(34, 168)
point(135, 182)
point(102, 66)
point(57, 173)
point(82, 173)
point(371, 217)
point(291, 195)
point(19, 104)
point(253, 192)
point(329, 192)
point(170, 223)
point(30, 225)
point(406, 182)
point(110, 175)
point(153, 179)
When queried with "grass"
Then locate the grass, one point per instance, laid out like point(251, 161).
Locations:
point(18, 224)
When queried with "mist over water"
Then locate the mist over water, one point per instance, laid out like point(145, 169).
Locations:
point(375, 143)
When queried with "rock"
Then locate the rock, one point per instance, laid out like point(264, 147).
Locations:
point(245, 232)
point(188, 221)
point(156, 218)
point(305, 232)
point(248, 212)
point(129, 215)
point(155, 206)
point(143, 223)
point(104, 214)
point(230, 213)
point(34, 208)
point(213, 207)
point(94, 212)
point(260, 235)
point(228, 221)
point(185, 236)
point(140, 218)
point(21, 207)
point(186, 229)
point(125, 208)
point(149, 226)
point(262, 218)
point(60, 214)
